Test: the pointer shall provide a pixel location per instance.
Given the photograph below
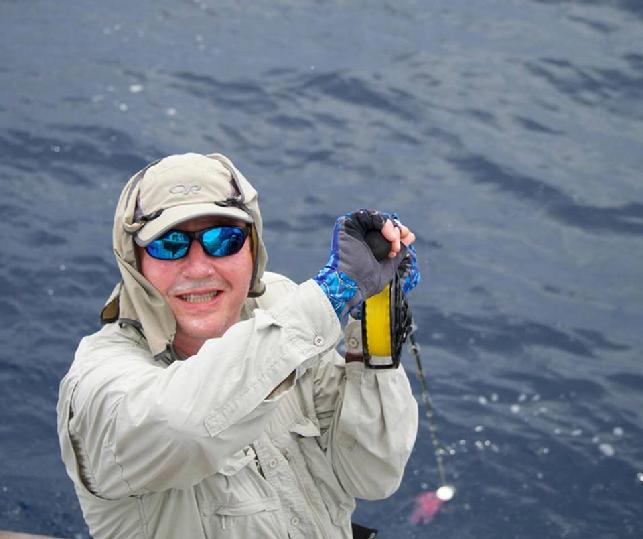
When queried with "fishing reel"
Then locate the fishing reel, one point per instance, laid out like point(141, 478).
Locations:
point(386, 316)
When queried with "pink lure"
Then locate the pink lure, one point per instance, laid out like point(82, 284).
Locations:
point(427, 504)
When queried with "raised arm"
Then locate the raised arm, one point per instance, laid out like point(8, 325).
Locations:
point(368, 418)
point(128, 426)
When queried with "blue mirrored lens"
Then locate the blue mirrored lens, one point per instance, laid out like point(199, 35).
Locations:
point(173, 245)
point(223, 241)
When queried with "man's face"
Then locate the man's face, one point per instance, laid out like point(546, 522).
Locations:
point(205, 293)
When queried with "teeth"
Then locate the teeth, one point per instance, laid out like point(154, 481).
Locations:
point(199, 298)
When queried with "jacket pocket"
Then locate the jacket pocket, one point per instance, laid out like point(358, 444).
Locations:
point(237, 502)
point(338, 503)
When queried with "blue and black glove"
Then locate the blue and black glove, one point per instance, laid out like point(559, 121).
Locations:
point(352, 272)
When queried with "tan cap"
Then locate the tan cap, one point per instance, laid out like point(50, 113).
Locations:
point(182, 187)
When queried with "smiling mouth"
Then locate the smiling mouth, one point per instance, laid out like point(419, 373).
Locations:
point(199, 298)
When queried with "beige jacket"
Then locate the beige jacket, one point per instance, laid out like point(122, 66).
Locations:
point(195, 449)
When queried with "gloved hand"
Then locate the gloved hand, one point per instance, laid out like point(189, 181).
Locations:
point(352, 272)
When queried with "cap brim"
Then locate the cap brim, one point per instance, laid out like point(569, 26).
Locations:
point(177, 214)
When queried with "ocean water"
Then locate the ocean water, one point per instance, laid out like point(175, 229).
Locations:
point(507, 134)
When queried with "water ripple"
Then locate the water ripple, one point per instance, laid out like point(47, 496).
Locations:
point(252, 97)
point(89, 145)
point(355, 91)
point(590, 86)
point(466, 334)
point(624, 219)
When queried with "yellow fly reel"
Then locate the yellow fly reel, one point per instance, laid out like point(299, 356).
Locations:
point(377, 323)
point(386, 322)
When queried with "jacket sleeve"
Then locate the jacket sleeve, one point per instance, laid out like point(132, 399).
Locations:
point(369, 420)
point(131, 427)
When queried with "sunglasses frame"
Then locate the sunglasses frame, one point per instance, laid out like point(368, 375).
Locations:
point(198, 236)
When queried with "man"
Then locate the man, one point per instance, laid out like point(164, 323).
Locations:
point(212, 403)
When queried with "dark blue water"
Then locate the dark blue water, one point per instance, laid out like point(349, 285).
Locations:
point(508, 134)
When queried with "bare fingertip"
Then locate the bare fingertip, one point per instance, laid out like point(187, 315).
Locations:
point(408, 240)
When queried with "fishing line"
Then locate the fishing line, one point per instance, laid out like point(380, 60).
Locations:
point(446, 491)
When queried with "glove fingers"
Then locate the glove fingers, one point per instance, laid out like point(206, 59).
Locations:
point(360, 222)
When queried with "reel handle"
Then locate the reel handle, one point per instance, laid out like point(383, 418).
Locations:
point(378, 244)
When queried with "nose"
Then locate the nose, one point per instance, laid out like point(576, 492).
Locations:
point(197, 264)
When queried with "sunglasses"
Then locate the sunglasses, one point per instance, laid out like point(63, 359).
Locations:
point(216, 241)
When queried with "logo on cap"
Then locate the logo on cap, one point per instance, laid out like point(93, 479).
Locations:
point(181, 189)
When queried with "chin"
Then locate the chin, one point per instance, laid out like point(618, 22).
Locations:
point(207, 330)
